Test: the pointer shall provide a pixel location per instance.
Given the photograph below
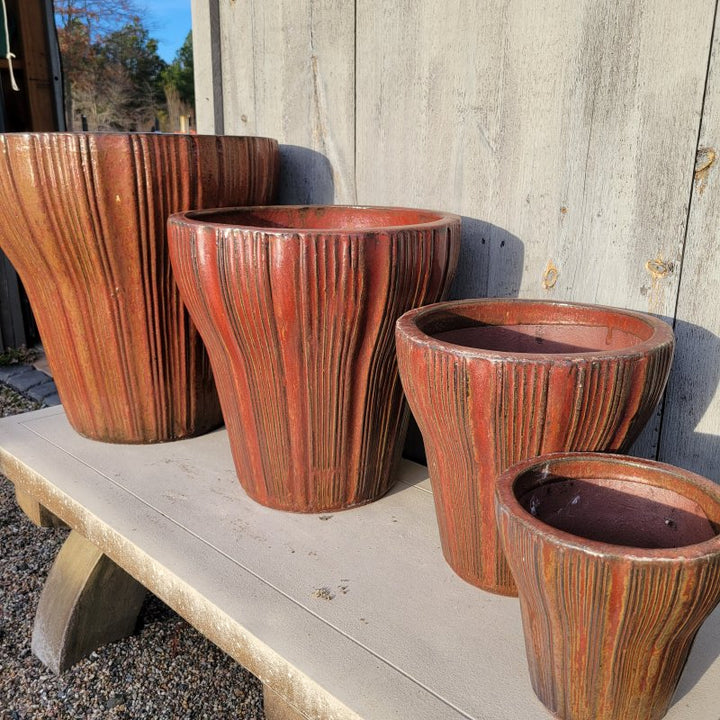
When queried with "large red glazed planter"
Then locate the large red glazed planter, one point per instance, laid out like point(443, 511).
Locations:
point(495, 381)
point(617, 562)
point(297, 306)
point(83, 220)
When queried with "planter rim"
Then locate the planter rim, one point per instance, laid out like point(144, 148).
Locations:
point(203, 219)
point(95, 134)
point(407, 326)
point(506, 500)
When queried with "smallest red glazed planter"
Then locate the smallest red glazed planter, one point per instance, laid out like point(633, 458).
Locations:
point(296, 306)
point(617, 562)
point(492, 382)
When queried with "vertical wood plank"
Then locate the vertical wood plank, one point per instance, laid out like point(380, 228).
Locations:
point(691, 425)
point(564, 132)
point(55, 65)
point(288, 72)
point(35, 56)
point(207, 67)
point(568, 125)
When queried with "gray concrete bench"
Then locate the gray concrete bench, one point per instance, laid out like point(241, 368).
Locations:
point(349, 615)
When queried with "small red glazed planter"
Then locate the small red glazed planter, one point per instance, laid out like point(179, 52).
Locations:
point(297, 305)
point(617, 562)
point(495, 381)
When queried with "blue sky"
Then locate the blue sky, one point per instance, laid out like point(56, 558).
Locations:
point(168, 21)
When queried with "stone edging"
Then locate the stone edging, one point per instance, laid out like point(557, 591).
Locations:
point(30, 382)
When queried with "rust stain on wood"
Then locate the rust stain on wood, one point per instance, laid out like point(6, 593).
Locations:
point(550, 276)
point(658, 269)
point(704, 160)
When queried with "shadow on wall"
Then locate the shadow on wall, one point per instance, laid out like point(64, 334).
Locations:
point(490, 265)
point(491, 262)
point(647, 443)
point(704, 653)
point(692, 386)
point(306, 177)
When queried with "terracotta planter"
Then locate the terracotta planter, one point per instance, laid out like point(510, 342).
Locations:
point(296, 306)
point(492, 382)
point(617, 561)
point(83, 222)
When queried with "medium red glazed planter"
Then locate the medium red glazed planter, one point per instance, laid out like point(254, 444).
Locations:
point(296, 306)
point(83, 221)
point(495, 381)
point(617, 561)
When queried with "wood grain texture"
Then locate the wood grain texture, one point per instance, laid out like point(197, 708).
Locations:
point(551, 122)
point(289, 68)
point(30, 30)
point(299, 326)
point(481, 411)
point(207, 67)
point(83, 222)
point(608, 628)
point(691, 423)
point(563, 132)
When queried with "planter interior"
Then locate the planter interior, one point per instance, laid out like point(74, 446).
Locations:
point(619, 511)
point(297, 305)
point(537, 328)
point(330, 218)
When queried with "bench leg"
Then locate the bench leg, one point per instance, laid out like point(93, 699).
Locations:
point(37, 514)
point(276, 708)
point(88, 601)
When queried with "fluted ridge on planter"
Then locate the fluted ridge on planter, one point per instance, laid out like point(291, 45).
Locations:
point(306, 319)
point(450, 449)
point(481, 412)
point(610, 403)
point(608, 628)
point(578, 589)
point(83, 222)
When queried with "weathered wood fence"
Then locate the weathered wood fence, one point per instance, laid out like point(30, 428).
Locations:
point(577, 138)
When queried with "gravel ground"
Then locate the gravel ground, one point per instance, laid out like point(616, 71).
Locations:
point(12, 403)
point(166, 670)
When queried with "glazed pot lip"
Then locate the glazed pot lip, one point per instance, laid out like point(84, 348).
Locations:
point(199, 219)
point(408, 329)
point(95, 134)
point(676, 479)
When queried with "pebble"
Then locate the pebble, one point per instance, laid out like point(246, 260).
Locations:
point(166, 671)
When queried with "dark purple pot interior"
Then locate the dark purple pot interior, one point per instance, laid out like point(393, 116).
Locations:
point(536, 327)
point(617, 511)
point(317, 217)
point(539, 338)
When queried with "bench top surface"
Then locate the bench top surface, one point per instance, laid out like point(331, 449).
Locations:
point(349, 614)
